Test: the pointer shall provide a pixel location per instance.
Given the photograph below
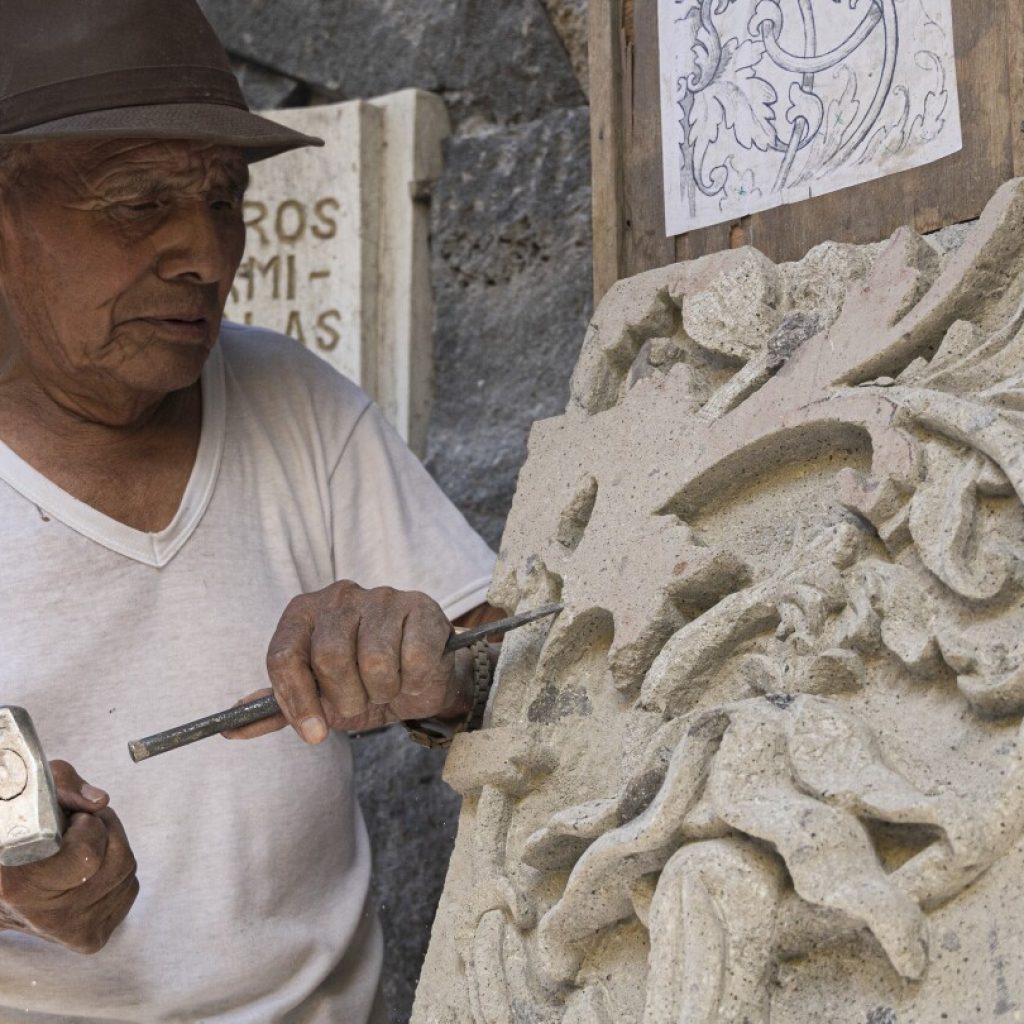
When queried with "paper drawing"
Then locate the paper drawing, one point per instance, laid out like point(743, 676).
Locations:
point(767, 102)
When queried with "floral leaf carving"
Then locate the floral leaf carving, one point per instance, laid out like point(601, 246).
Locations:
point(735, 100)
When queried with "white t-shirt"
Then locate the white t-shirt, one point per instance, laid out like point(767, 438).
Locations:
point(253, 857)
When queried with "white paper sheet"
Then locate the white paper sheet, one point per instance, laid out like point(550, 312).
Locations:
point(768, 102)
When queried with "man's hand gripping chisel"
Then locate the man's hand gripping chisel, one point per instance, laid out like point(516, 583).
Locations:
point(31, 821)
point(265, 707)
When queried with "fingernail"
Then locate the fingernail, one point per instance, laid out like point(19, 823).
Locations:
point(313, 730)
point(92, 794)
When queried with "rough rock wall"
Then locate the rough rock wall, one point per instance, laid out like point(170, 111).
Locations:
point(517, 170)
point(511, 270)
point(768, 763)
point(512, 281)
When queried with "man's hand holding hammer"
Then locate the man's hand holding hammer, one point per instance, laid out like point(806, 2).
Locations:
point(77, 897)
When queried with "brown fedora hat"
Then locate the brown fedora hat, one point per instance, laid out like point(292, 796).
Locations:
point(153, 69)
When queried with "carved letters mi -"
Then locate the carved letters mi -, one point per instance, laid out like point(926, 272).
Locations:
point(766, 765)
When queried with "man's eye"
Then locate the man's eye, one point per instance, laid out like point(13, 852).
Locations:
point(144, 207)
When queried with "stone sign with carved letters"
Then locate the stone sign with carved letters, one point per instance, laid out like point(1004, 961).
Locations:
point(336, 246)
point(767, 764)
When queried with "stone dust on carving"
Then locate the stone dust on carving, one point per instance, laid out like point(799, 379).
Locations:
point(783, 511)
point(767, 102)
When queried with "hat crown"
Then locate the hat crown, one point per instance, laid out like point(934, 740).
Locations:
point(62, 57)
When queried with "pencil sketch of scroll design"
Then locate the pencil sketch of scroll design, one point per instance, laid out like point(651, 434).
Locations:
point(779, 716)
point(845, 98)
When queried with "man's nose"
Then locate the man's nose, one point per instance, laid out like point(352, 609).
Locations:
point(198, 243)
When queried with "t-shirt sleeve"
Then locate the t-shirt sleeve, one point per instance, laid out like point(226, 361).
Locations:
point(393, 526)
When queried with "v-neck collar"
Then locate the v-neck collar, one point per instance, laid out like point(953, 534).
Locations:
point(154, 549)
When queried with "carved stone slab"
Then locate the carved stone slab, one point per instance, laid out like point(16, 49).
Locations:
point(337, 249)
point(766, 765)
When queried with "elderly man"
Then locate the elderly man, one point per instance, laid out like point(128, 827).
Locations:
point(168, 485)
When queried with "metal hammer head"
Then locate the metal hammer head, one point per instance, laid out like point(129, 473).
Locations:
point(31, 821)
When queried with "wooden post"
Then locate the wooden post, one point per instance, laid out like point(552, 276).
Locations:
point(644, 243)
point(628, 191)
point(606, 143)
point(1015, 40)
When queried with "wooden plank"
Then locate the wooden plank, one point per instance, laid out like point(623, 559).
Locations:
point(695, 244)
point(1015, 46)
point(946, 192)
point(645, 243)
point(989, 38)
point(606, 142)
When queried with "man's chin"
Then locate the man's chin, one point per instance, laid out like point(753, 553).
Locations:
point(164, 367)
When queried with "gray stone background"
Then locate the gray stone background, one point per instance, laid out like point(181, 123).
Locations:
point(511, 268)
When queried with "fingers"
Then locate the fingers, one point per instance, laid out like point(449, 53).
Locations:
point(288, 665)
point(335, 661)
point(81, 894)
point(378, 650)
point(379, 646)
point(116, 906)
point(119, 863)
point(80, 857)
point(350, 658)
point(261, 728)
point(102, 902)
point(447, 693)
point(73, 792)
point(425, 666)
point(104, 918)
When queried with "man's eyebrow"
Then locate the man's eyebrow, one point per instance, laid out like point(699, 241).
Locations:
point(134, 182)
point(130, 183)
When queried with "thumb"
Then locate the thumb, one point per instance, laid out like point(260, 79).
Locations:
point(73, 792)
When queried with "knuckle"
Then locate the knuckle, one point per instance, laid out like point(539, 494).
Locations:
point(342, 591)
point(377, 663)
point(61, 770)
point(331, 663)
point(340, 712)
point(427, 606)
point(92, 941)
point(299, 605)
point(131, 894)
point(384, 595)
point(282, 659)
point(11, 885)
point(129, 865)
point(419, 661)
point(86, 850)
point(414, 705)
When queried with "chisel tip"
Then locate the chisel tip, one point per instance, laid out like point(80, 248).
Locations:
point(138, 750)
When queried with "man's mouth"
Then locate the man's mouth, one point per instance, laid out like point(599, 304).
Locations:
point(185, 326)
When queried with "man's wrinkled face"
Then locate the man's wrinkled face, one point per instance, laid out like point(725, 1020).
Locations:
point(116, 259)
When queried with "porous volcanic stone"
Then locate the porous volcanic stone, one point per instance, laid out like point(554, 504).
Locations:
point(499, 62)
point(512, 286)
point(767, 763)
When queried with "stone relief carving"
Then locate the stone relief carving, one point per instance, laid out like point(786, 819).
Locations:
point(767, 764)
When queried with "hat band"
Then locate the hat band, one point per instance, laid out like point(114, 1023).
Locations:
point(131, 87)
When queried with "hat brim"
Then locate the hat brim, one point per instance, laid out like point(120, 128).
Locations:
point(258, 136)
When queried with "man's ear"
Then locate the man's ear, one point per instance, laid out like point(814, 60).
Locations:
point(5, 256)
point(8, 229)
